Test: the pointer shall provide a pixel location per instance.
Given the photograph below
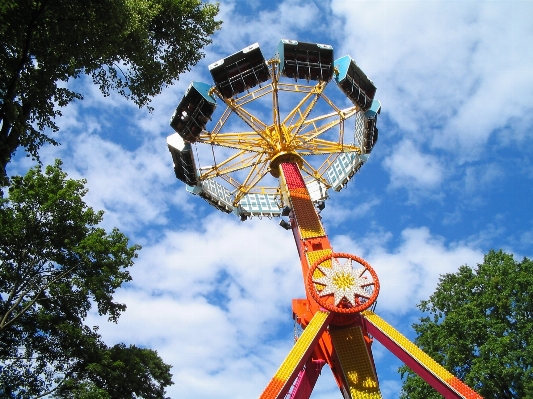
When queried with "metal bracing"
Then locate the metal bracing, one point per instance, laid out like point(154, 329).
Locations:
point(300, 132)
point(232, 164)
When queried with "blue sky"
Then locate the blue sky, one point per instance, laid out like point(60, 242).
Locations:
point(449, 179)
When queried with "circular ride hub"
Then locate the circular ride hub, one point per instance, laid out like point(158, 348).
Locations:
point(285, 168)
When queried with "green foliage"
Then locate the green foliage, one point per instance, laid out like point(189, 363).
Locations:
point(480, 328)
point(135, 47)
point(142, 364)
point(55, 265)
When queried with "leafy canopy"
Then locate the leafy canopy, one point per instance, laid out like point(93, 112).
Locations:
point(135, 47)
point(56, 263)
point(480, 327)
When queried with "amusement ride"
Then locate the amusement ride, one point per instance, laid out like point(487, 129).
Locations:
point(284, 140)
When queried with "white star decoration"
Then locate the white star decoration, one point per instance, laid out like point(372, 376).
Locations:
point(344, 282)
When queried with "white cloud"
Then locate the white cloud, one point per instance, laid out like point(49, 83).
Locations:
point(289, 20)
point(449, 73)
point(135, 188)
point(477, 177)
point(121, 151)
point(339, 215)
point(211, 299)
point(413, 170)
point(452, 218)
point(409, 272)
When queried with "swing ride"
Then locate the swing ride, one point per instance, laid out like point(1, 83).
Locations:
point(283, 141)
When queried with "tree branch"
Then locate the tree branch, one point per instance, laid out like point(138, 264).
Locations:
point(9, 140)
point(4, 324)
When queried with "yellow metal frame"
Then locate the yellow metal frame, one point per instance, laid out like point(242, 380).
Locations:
point(296, 134)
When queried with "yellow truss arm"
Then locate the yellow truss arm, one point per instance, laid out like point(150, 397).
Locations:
point(257, 172)
point(247, 141)
point(321, 147)
point(309, 170)
point(282, 380)
point(220, 124)
point(234, 163)
point(255, 123)
point(317, 91)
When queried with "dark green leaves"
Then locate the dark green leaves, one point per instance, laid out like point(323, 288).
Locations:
point(135, 47)
point(480, 327)
point(55, 265)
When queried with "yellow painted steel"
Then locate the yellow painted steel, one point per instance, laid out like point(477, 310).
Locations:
point(306, 216)
point(301, 132)
point(413, 350)
point(356, 363)
point(238, 161)
point(302, 346)
point(311, 99)
point(255, 123)
point(314, 256)
point(247, 141)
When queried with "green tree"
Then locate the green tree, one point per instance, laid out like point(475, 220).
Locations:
point(135, 47)
point(55, 265)
point(480, 328)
